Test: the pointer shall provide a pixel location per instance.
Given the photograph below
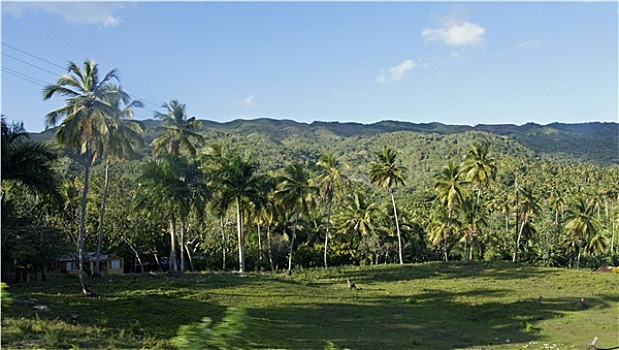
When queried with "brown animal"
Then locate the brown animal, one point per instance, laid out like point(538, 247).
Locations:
point(351, 285)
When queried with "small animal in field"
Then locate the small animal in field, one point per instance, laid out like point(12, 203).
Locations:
point(540, 300)
point(581, 304)
point(351, 285)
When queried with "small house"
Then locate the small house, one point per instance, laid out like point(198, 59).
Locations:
point(109, 264)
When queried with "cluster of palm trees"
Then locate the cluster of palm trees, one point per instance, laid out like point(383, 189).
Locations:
point(185, 180)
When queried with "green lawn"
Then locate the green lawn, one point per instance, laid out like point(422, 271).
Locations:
point(424, 306)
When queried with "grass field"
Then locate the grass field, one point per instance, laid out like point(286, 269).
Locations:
point(422, 306)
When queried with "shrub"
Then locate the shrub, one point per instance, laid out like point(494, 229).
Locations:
point(228, 334)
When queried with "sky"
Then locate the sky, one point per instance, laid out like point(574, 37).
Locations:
point(462, 63)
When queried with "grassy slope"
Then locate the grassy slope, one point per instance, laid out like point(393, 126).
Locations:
point(429, 306)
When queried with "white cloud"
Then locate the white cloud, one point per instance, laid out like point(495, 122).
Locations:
point(83, 12)
point(454, 30)
point(249, 101)
point(395, 73)
point(462, 34)
point(529, 44)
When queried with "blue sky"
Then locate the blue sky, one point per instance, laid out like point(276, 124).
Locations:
point(456, 63)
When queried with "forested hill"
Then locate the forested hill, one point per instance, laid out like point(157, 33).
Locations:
point(588, 142)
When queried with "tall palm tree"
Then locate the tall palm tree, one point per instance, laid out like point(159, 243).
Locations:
point(118, 144)
point(235, 177)
point(387, 173)
point(173, 187)
point(298, 194)
point(329, 178)
point(478, 167)
point(84, 125)
point(529, 207)
point(451, 193)
point(177, 130)
point(582, 224)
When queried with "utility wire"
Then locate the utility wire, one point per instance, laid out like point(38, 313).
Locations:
point(31, 55)
point(24, 77)
point(32, 80)
point(30, 64)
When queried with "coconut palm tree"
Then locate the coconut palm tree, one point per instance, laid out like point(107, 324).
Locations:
point(329, 178)
point(25, 162)
point(177, 130)
point(478, 167)
point(173, 187)
point(451, 194)
point(236, 180)
point(528, 208)
point(385, 172)
point(84, 125)
point(582, 224)
point(297, 194)
point(118, 144)
point(357, 214)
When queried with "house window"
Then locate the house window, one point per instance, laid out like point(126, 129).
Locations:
point(72, 266)
point(116, 264)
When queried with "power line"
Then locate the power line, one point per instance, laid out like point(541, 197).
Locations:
point(31, 55)
point(30, 64)
point(32, 80)
point(24, 77)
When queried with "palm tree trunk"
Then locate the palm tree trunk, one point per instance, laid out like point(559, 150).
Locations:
point(239, 225)
point(612, 241)
point(294, 234)
point(82, 228)
point(181, 244)
point(101, 215)
point(579, 252)
point(269, 247)
point(259, 249)
point(173, 266)
point(397, 226)
point(190, 258)
point(515, 258)
point(223, 241)
point(328, 226)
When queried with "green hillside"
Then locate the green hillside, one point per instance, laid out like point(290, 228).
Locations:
point(585, 142)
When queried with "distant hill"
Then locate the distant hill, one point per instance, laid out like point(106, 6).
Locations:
point(587, 142)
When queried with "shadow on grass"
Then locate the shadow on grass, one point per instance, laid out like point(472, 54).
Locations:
point(397, 307)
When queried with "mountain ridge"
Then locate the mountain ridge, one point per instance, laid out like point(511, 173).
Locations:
point(596, 142)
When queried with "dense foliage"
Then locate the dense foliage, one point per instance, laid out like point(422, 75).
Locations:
point(313, 195)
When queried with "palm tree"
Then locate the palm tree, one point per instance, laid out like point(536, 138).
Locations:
point(298, 194)
point(26, 162)
point(84, 125)
point(386, 173)
point(237, 182)
point(177, 131)
point(528, 208)
point(451, 193)
point(473, 220)
point(173, 187)
point(329, 179)
point(479, 167)
point(357, 214)
point(118, 144)
point(582, 224)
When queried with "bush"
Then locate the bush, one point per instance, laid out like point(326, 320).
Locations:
point(228, 334)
